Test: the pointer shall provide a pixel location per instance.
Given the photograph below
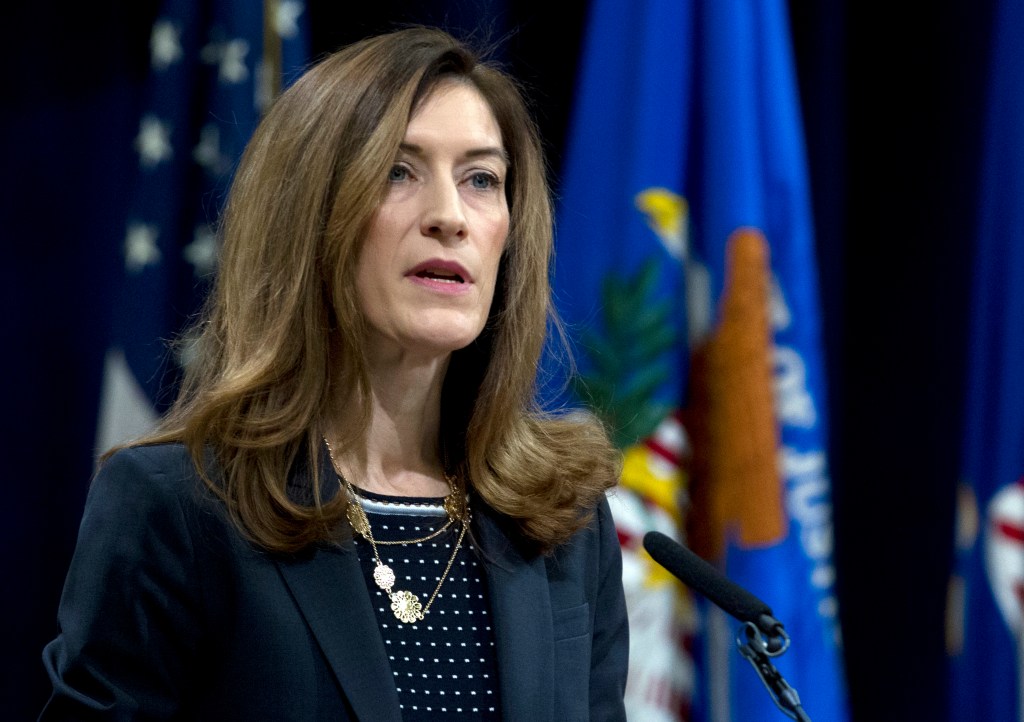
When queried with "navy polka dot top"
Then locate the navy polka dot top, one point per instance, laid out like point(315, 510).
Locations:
point(444, 665)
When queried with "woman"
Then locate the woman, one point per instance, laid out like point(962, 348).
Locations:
point(355, 510)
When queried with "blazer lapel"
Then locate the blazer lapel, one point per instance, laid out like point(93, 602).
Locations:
point(521, 609)
point(328, 587)
point(330, 591)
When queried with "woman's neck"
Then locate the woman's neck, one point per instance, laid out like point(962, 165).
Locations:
point(400, 455)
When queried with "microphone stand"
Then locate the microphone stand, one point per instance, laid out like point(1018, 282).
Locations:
point(757, 650)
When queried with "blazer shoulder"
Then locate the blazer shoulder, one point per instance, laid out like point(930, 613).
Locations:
point(154, 459)
point(143, 477)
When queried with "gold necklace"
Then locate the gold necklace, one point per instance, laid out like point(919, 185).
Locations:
point(405, 605)
point(354, 510)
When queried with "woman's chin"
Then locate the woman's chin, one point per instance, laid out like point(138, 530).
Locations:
point(424, 343)
point(446, 343)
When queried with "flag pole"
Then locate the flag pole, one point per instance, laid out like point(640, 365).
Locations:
point(271, 69)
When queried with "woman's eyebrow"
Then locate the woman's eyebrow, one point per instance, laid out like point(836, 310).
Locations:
point(484, 152)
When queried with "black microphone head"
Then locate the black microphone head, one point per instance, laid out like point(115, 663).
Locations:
point(704, 578)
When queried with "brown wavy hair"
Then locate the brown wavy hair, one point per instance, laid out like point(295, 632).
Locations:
point(281, 333)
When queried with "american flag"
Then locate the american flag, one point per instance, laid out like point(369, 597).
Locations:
point(215, 65)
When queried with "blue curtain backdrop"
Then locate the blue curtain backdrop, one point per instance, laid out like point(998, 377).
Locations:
point(67, 163)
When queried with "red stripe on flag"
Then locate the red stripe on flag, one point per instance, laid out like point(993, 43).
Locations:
point(662, 451)
point(626, 540)
point(1009, 530)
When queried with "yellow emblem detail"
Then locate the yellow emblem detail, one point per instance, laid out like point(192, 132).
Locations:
point(666, 213)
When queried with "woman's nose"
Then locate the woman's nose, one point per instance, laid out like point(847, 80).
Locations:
point(444, 217)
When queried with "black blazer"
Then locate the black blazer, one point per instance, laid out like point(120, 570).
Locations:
point(169, 613)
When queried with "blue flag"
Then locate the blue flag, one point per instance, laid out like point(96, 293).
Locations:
point(686, 275)
point(621, 226)
point(214, 67)
point(987, 596)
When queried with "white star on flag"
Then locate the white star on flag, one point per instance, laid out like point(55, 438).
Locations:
point(230, 54)
point(164, 44)
point(202, 251)
point(207, 151)
point(140, 249)
point(153, 142)
point(286, 18)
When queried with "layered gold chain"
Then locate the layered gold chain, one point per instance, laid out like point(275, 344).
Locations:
point(405, 605)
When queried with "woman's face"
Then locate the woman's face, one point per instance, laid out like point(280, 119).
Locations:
point(427, 270)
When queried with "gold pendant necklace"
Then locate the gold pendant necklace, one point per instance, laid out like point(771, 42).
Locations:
point(405, 605)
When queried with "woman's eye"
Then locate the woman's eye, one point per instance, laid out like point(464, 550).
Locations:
point(398, 173)
point(484, 181)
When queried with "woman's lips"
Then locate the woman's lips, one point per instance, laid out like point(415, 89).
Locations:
point(441, 275)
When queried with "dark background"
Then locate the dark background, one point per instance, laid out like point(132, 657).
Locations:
point(893, 101)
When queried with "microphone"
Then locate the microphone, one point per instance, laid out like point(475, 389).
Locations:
point(762, 635)
point(702, 577)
